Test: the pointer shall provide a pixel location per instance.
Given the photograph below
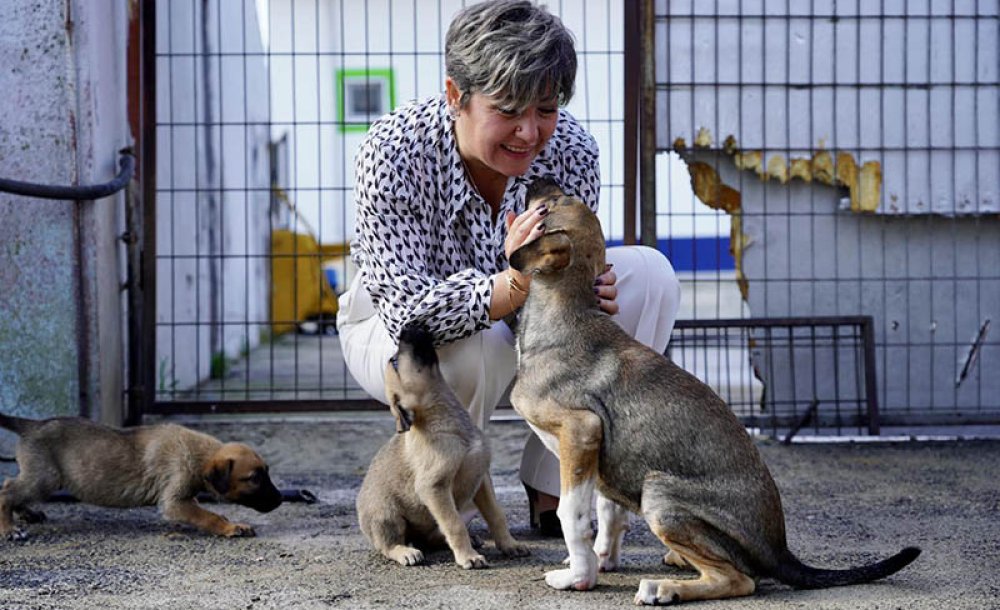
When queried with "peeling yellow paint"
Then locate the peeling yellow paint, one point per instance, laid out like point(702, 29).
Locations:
point(822, 167)
point(802, 169)
point(749, 160)
point(777, 169)
point(871, 186)
point(710, 189)
point(864, 184)
point(704, 138)
point(729, 146)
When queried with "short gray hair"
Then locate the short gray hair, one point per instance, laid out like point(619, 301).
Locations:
point(511, 50)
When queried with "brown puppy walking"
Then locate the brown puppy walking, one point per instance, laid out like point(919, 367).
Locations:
point(650, 436)
point(164, 465)
point(438, 463)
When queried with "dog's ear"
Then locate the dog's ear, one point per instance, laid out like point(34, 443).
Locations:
point(220, 475)
point(550, 252)
point(403, 421)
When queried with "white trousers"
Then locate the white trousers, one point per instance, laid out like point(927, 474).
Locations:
point(480, 368)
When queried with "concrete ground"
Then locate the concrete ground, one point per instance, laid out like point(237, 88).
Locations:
point(845, 504)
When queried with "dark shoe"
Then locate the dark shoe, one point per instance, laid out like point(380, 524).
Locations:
point(547, 521)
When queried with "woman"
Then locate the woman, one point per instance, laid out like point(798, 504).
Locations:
point(440, 192)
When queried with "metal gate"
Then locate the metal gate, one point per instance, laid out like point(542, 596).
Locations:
point(811, 303)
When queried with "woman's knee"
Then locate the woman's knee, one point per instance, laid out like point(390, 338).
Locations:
point(646, 269)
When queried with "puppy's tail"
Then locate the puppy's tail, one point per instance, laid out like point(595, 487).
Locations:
point(793, 572)
point(16, 424)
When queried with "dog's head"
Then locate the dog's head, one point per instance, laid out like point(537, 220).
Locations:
point(412, 379)
point(573, 238)
point(240, 476)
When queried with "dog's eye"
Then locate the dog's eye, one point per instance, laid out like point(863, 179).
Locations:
point(394, 361)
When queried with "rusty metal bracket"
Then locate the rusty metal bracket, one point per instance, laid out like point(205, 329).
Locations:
point(126, 167)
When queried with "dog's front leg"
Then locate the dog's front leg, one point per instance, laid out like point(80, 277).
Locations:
point(486, 502)
point(579, 444)
point(435, 492)
point(189, 511)
point(612, 523)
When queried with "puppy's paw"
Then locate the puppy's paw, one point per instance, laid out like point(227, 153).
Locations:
point(239, 530)
point(565, 580)
point(513, 548)
point(406, 555)
point(652, 593)
point(16, 535)
point(475, 561)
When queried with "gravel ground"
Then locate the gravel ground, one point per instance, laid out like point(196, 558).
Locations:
point(845, 504)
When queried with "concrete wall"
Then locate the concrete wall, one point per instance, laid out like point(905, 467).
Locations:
point(63, 123)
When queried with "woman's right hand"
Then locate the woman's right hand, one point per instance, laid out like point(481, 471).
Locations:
point(522, 230)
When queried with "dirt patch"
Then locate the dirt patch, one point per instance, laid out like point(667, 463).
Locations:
point(845, 504)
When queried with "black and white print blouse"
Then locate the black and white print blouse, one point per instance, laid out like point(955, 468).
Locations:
point(425, 243)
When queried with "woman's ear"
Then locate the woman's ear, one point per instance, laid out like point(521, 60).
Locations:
point(452, 94)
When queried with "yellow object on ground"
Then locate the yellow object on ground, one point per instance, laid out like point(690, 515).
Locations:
point(299, 288)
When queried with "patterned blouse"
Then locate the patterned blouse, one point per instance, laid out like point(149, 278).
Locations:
point(425, 243)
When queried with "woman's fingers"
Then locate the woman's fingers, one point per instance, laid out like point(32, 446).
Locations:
point(524, 228)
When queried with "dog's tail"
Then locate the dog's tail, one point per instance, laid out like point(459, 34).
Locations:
point(793, 572)
point(16, 424)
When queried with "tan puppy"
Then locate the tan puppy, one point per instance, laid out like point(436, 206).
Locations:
point(651, 437)
point(163, 465)
point(438, 463)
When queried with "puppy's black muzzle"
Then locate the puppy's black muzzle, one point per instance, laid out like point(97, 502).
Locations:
point(264, 500)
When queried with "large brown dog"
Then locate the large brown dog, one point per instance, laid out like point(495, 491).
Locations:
point(650, 436)
point(439, 462)
point(164, 465)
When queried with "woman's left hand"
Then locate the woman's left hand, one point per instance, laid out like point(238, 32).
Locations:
point(606, 291)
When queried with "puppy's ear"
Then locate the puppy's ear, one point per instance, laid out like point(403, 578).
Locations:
point(550, 252)
point(220, 475)
point(403, 421)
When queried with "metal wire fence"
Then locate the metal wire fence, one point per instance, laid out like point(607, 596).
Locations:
point(815, 161)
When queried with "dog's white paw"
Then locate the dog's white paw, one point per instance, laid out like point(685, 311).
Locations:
point(649, 594)
point(17, 535)
point(472, 562)
point(406, 555)
point(565, 580)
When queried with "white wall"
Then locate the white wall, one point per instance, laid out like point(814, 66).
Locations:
point(213, 188)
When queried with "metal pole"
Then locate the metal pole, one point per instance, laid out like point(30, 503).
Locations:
point(632, 59)
point(647, 127)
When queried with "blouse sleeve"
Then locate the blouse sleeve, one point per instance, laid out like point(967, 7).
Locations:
point(396, 243)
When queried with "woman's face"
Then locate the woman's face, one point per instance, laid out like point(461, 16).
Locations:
point(491, 137)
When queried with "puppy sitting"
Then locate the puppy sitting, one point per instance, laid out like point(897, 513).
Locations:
point(648, 435)
point(163, 465)
point(437, 463)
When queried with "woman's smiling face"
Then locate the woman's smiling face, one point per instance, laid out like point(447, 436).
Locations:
point(502, 140)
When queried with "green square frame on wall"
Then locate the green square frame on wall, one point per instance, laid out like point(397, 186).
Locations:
point(363, 95)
